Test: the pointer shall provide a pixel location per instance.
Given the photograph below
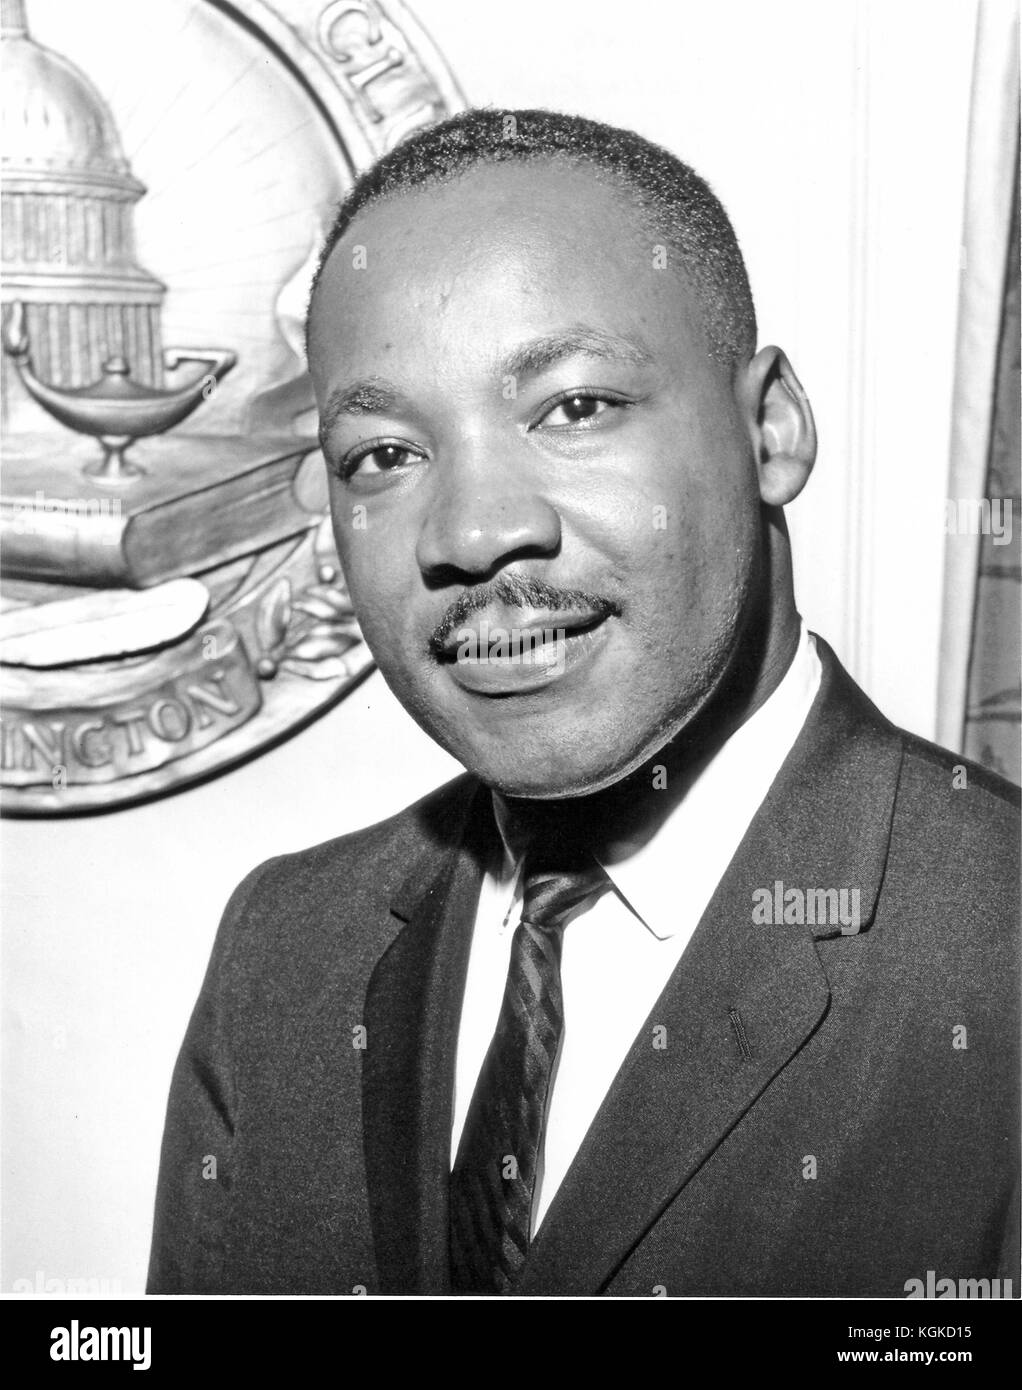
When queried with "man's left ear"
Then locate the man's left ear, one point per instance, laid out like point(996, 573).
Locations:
point(780, 421)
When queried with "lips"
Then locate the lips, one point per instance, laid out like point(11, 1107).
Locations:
point(505, 652)
point(499, 633)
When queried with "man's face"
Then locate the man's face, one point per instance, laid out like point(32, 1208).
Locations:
point(526, 436)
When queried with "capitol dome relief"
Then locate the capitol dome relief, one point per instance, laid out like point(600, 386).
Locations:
point(54, 119)
point(69, 250)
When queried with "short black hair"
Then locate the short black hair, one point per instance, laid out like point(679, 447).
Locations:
point(678, 206)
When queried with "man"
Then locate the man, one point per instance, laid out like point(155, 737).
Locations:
point(701, 981)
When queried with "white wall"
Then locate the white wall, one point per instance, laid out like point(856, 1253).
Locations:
point(835, 133)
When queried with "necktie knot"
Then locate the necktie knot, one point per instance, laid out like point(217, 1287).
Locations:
point(552, 892)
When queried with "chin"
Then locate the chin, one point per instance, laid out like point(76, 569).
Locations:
point(530, 772)
point(538, 788)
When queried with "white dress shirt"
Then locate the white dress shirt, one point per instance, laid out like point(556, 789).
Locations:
point(618, 955)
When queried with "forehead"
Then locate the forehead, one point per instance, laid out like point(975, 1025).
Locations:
point(494, 256)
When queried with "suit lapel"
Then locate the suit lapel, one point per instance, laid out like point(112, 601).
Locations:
point(743, 1000)
point(412, 1010)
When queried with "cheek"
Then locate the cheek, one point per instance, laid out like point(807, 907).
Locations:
point(667, 520)
point(379, 583)
point(707, 528)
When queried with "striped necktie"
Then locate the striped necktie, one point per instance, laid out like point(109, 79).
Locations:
point(494, 1177)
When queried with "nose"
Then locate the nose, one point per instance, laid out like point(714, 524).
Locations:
point(483, 513)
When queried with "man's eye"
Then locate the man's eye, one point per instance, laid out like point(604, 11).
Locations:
point(371, 460)
point(579, 408)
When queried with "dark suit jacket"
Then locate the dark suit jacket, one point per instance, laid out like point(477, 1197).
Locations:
point(843, 1141)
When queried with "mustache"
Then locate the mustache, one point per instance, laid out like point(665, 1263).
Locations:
point(516, 591)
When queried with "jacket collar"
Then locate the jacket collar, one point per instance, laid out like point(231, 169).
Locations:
point(412, 1010)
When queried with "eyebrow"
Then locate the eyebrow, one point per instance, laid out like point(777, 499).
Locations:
point(378, 396)
point(372, 396)
point(540, 353)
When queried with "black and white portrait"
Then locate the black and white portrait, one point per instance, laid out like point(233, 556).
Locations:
point(510, 649)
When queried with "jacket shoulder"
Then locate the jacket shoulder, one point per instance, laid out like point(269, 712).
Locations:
point(959, 797)
point(935, 765)
point(956, 843)
point(377, 856)
point(328, 907)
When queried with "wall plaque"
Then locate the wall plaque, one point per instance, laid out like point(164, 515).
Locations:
point(172, 602)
